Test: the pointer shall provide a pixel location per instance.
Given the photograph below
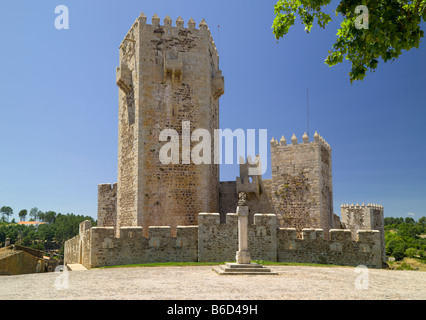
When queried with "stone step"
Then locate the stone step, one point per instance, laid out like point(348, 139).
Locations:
point(235, 269)
point(76, 267)
point(246, 273)
point(243, 269)
point(239, 266)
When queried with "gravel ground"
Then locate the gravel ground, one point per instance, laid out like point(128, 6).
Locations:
point(201, 283)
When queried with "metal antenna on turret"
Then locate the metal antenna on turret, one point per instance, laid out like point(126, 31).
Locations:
point(307, 108)
point(218, 36)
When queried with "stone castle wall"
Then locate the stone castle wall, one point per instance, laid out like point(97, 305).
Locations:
point(100, 246)
point(340, 249)
point(213, 241)
point(169, 78)
point(364, 217)
point(107, 205)
point(228, 197)
point(300, 190)
point(72, 251)
point(219, 241)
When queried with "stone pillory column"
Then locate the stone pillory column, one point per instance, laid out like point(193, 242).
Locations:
point(243, 255)
point(243, 265)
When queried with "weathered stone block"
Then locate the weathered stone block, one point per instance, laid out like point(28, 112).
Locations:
point(208, 218)
point(288, 233)
point(131, 232)
point(340, 235)
point(368, 236)
point(319, 234)
point(308, 234)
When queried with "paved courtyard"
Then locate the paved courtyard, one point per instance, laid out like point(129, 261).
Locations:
point(201, 283)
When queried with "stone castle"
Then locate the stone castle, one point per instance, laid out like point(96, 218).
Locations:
point(169, 75)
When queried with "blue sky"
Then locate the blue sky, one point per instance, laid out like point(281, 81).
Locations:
point(59, 101)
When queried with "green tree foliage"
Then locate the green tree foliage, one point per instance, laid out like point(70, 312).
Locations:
point(23, 214)
point(49, 216)
point(6, 211)
point(58, 228)
point(393, 26)
point(402, 237)
point(399, 251)
point(410, 252)
point(34, 213)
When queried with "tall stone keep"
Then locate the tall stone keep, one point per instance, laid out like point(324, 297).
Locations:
point(168, 78)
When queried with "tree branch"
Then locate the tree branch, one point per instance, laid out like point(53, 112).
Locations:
point(416, 8)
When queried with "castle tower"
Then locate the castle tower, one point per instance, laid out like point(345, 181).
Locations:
point(168, 78)
point(364, 217)
point(301, 189)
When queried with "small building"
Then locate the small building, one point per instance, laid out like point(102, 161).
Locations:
point(16, 260)
point(31, 223)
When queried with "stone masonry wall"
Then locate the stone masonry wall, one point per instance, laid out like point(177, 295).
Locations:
point(168, 75)
point(133, 247)
point(261, 202)
point(21, 262)
point(228, 198)
point(129, 84)
point(107, 205)
point(340, 249)
point(364, 217)
point(213, 241)
point(301, 187)
point(219, 241)
point(99, 246)
point(300, 190)
point(72, 251)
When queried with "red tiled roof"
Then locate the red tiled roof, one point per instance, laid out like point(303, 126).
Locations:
point(30, 222)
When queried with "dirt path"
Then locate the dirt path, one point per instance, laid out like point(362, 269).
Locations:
point(201, 283)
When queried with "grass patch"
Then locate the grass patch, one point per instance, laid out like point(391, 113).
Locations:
point(164, 264)
point(407, 264)
point(274, 263)
point(195, 264)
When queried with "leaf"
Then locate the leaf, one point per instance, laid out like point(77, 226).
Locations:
point(395, 26)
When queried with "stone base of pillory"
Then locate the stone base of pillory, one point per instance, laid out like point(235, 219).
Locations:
point(243, 269)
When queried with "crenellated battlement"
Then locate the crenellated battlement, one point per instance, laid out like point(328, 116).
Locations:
point(333, 234)
point(250, 167)
point(163, 232)
point(208, 219)
point(321, 140)
point(302, 170)
point(100, 246)
point(359, 217)
point(305, 140)
point(213, 241)
point(336, 248)
point(249, 185)
point(169, 28)
point(358, 206)
point(250, 176)
point(340, 235)
point(364, 217)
